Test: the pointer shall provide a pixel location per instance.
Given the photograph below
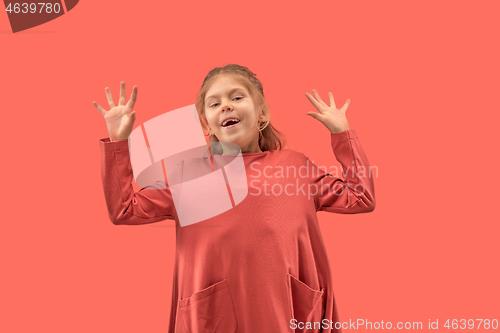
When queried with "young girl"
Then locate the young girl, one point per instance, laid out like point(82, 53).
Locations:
point(261, 266)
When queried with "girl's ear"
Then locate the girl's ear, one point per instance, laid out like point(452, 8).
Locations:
point(263, 117)
point(205, 121)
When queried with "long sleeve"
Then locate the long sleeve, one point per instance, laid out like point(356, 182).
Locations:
point(355, 193)
point(124, 205)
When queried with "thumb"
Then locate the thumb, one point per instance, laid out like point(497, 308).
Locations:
point(314, 115)
point(131, 119)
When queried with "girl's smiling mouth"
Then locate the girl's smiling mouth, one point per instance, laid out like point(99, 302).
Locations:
point(231, 126)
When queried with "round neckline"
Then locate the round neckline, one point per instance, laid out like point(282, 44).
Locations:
point(243, 154)
point(246, 154)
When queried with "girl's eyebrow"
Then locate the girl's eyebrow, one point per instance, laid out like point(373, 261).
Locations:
point(230, 92)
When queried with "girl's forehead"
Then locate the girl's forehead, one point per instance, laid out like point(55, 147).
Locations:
point(222, 81)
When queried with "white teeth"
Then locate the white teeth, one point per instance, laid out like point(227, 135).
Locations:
point(225, 122)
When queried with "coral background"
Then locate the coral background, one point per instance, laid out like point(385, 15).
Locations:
point(423, 82)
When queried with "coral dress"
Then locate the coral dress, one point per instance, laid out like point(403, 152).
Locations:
point(261, 266)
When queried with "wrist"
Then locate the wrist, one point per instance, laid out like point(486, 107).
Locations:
point(339, 131)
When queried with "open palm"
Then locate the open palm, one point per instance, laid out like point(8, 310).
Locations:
point(120, 118)
point(334, 119)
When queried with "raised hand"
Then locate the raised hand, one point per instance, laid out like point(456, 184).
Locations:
point(120, 118)
point(334, 119)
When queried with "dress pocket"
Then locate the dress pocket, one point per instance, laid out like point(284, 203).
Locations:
point(209, 310)
point(307, 305)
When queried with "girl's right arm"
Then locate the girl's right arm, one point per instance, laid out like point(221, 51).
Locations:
point(124, 206)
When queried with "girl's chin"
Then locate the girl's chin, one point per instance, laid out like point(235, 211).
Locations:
point(229, 136)
point(230, 146)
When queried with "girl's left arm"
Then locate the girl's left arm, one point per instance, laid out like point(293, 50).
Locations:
point(355, 193)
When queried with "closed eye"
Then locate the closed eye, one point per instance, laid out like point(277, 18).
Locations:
point(218, 103)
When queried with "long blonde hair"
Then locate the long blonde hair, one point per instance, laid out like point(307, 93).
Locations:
point(269, 138)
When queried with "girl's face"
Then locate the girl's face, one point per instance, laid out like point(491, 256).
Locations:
point(228, 99)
